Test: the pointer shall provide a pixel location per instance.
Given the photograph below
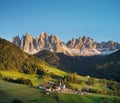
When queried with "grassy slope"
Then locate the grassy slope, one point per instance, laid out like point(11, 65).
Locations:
point(36, 80)
point(53, 70)
point(9, 91)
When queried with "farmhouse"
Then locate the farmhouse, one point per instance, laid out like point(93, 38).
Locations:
point(52, 87)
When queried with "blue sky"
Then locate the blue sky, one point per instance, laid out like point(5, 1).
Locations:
point(98, 19)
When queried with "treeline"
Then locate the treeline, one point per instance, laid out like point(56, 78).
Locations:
point(1, 75)
point(19, 81)
point(73, 78)
point(113, 87)
point(70, 78)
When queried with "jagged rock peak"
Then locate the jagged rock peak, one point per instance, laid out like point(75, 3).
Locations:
point(16, 40)
point(73, 39)
point(44, 35)
point(54, 37)
point(81, 42)
point(28, 35)
point(84, 46)
point(84, 37)
point(42, 42)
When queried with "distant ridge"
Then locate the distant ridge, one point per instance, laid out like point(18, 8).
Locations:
point(83, 46)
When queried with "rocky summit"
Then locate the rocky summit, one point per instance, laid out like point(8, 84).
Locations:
point(83, 46)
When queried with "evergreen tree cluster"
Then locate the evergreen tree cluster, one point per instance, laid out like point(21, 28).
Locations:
point(12, 58)
point(19, 81)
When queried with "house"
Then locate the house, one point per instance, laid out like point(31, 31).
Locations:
point(41, 86)
point(48, 89)
point(53, 87)
point(46, 86)
point(57, 88)
point(63, 87)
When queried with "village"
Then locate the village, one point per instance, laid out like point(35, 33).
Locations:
point(52, 87)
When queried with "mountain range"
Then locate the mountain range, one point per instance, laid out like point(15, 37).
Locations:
point(82, 55)
point(83, 46)
point(13, 58)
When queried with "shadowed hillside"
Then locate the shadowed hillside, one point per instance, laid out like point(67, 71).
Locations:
point(97, 66)
point(109, 67)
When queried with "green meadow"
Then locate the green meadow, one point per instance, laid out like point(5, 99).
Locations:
point(27, 94)
point(36, 79)
point(10, 91)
